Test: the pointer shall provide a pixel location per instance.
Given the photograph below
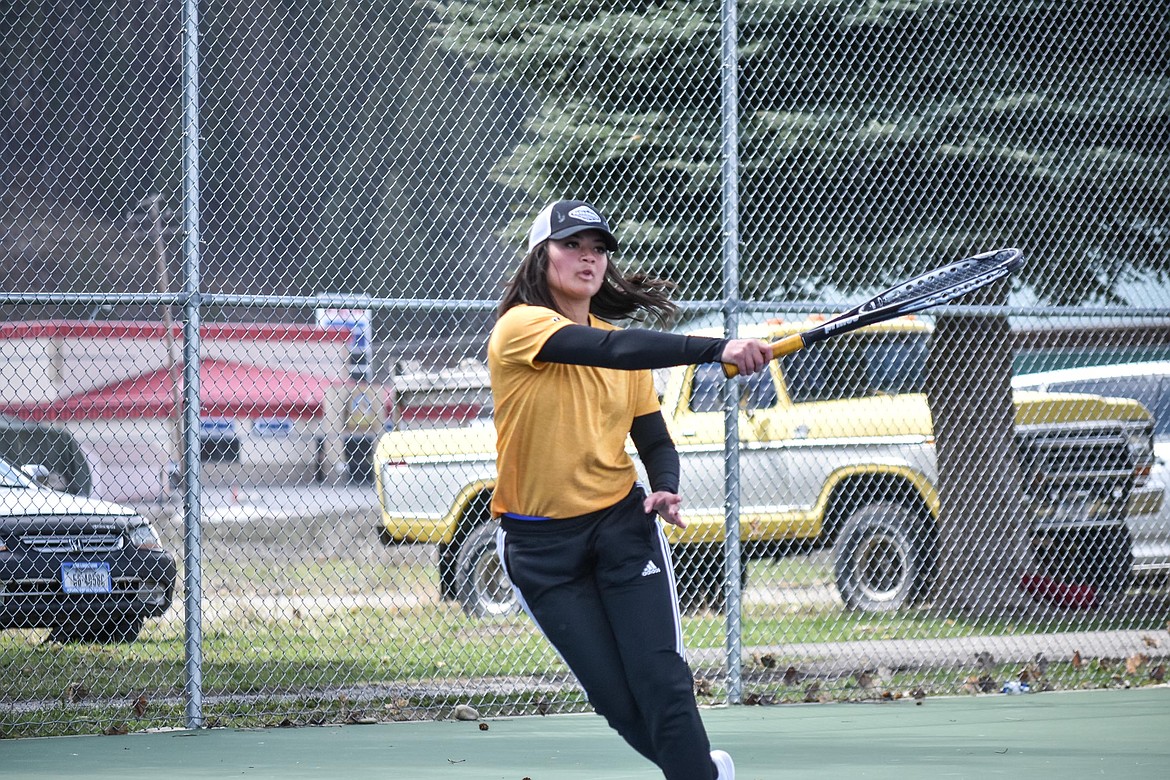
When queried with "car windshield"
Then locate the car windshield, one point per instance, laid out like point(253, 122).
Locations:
point(857, 367)
point(10, 477)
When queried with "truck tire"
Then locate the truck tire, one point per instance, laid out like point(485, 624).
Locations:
point(481, 586)
point(882, 558)
point(1100, 556)
point(1112, 556)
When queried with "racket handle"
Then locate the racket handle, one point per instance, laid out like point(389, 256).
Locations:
point(785, 346)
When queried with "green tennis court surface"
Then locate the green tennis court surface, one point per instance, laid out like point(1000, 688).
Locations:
point(1115, 733)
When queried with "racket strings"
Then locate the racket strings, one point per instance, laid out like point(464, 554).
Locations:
point(947, 283)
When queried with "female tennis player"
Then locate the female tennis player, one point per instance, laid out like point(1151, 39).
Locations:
point(579, 537)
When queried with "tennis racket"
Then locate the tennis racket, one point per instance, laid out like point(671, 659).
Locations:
point(933, 288)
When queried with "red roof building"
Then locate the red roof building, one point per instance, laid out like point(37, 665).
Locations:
point(279, 392)
point(80, 370)
point(226, 389)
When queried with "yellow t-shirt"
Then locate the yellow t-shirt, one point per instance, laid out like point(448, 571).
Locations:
point(560, 429)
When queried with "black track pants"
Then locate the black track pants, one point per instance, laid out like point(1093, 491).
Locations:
point(601, 588)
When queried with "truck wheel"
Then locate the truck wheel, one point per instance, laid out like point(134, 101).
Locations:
point(384, 535)
point(882, 558)
point(696, 577)
point(1112, 554)
point(1101, 556)
point(448, 561)
point(482, 587)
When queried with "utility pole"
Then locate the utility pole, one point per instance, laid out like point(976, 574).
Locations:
point(151, 215)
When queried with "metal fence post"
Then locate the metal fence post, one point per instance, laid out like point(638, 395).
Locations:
point(190, 466)
point(730, 159)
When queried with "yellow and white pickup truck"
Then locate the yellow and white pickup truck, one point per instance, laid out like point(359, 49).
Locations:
point(836, 450)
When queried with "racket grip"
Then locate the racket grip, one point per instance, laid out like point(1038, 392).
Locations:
point(785, 346)
point(788, 345)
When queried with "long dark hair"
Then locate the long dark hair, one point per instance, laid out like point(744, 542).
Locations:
point(634, 296)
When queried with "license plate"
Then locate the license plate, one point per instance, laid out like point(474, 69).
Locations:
point(85, 577)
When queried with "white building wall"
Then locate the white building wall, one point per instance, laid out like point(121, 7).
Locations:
point(28, 370)
point(129, 458)
point(90, 363)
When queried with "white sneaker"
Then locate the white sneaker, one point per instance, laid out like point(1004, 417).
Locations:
point(724, 764)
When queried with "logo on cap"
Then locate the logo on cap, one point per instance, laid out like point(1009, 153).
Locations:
point(585, 214)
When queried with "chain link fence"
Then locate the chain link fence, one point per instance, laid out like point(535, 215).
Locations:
point(250, 261)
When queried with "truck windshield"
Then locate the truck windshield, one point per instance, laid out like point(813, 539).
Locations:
point(1146, 389)
point(857, 366)
point(759, 393)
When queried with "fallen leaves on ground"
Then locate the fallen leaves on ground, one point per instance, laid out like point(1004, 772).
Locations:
point(812, 693)
point(75, 692)
point(756, 699)
point(981, 683)
point(1135, 662)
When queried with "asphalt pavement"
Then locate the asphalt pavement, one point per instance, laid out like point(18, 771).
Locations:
point(235, 503)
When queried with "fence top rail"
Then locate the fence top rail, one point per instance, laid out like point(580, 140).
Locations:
point(777, 307)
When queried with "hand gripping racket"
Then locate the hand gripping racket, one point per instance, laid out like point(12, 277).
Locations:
point(933, 288)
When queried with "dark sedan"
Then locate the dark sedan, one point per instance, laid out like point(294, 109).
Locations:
point(91, 571)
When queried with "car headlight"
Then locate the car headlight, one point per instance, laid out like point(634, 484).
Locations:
point(142, 536)
point(1141, 446)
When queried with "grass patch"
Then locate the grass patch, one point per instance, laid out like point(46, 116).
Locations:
point(257, 655)
point(325, 660)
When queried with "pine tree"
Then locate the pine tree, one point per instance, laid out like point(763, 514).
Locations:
point(876, 138)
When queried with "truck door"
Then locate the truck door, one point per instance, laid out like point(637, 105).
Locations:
point(763, 475)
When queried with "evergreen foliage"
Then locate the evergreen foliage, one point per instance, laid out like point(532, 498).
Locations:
point(876, 138)
point(350, 146)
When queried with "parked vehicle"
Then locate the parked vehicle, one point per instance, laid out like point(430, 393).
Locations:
point(1149, 383)
point(91, 571)
point(837, 451)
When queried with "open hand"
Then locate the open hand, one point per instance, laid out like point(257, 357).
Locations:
point(666, 505)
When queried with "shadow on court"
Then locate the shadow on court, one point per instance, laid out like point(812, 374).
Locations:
point(1115, 733)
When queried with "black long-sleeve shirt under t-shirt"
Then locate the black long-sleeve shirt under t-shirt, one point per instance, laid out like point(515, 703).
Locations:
point(634, 350)
point(628, 349)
